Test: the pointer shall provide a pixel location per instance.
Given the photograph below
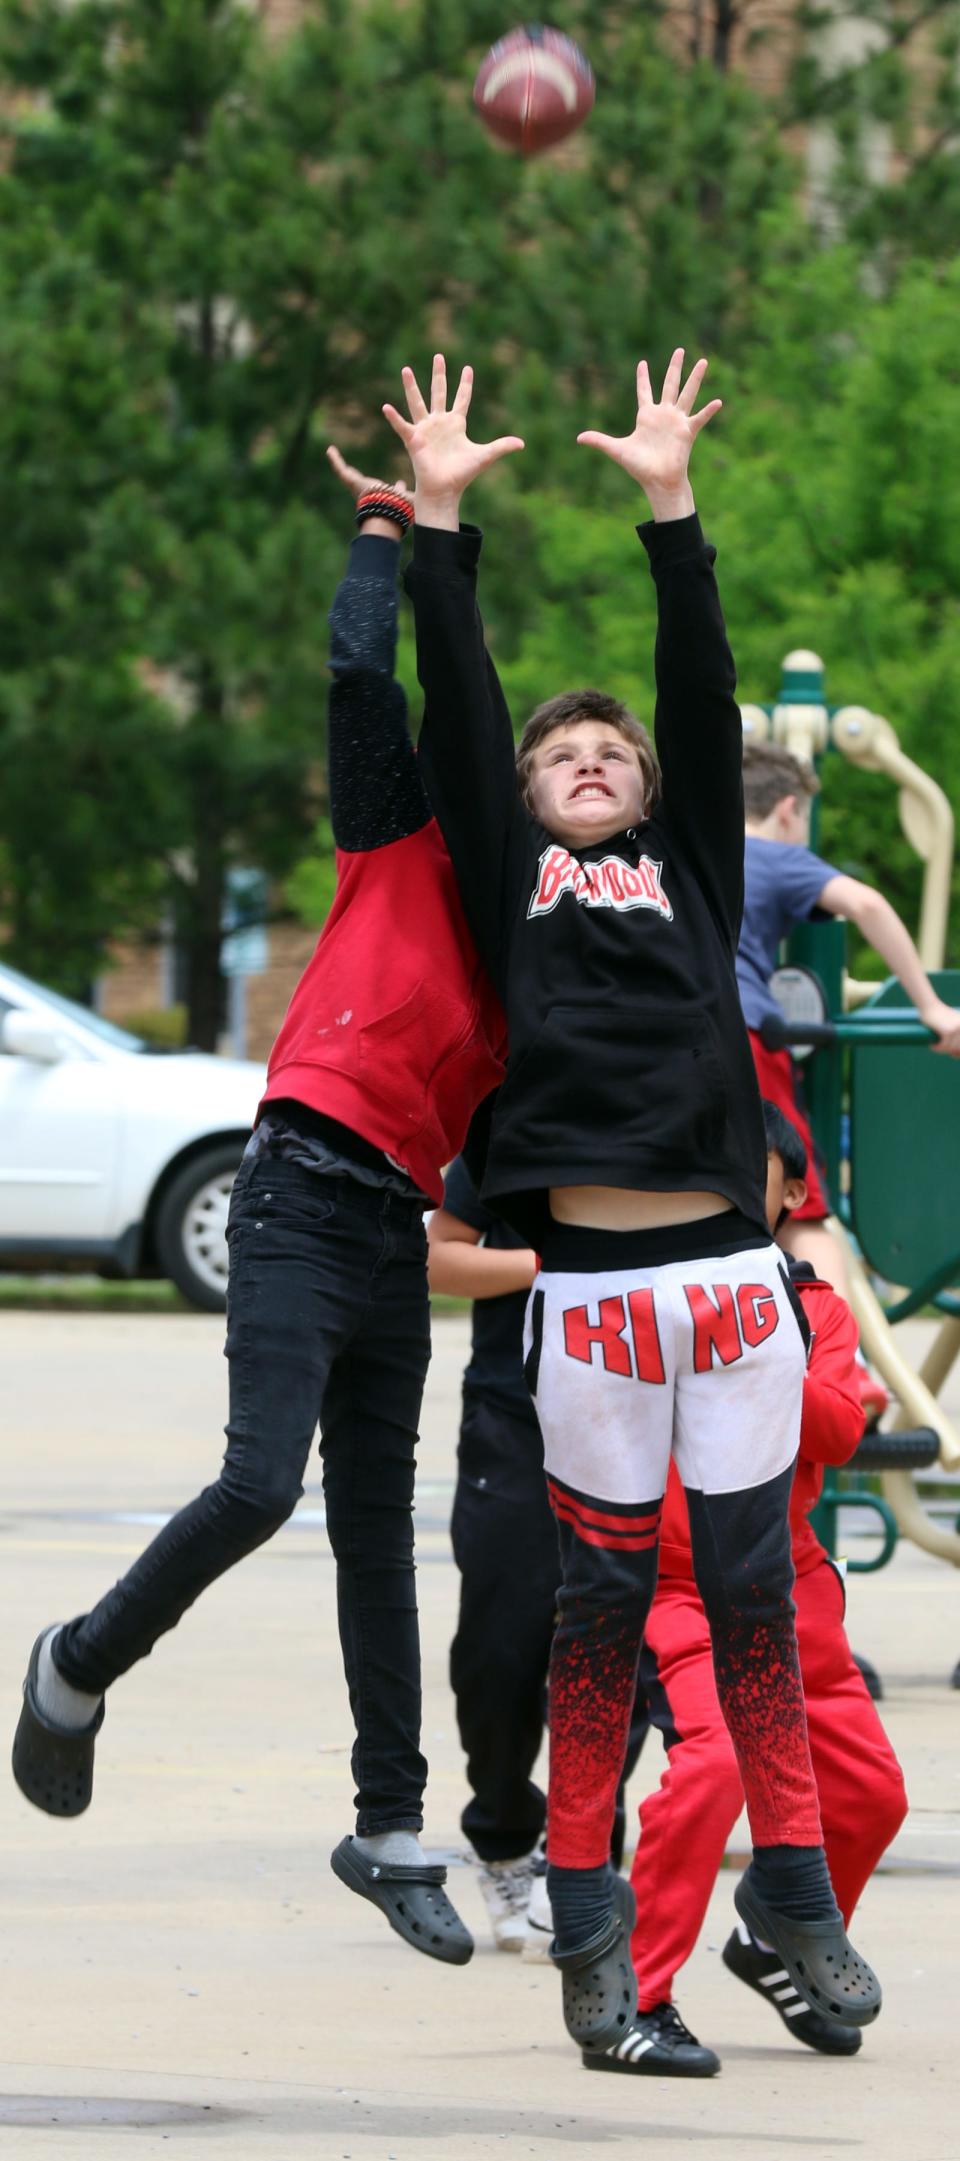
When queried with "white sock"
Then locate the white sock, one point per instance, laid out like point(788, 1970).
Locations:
point(395, 1849)
point(63, 1705)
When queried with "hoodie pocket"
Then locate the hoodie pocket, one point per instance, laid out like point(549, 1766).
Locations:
point(649, 1079)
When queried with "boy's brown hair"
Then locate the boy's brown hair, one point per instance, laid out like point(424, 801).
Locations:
point(574, 705)
point(770, 773)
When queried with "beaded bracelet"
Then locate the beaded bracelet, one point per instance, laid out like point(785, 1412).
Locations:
point(385, 503)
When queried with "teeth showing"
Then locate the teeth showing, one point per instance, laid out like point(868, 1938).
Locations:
point(590, 794)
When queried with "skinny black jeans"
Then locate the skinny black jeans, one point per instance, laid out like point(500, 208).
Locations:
point(327, 1320)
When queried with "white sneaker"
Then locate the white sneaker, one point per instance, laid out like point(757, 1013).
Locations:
point(506, 1889)
point(539, 1929)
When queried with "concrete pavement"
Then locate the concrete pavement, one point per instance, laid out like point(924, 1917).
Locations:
point(181, 1973)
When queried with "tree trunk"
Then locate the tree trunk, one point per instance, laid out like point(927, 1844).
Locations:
point(203, 924)
point(725, 23)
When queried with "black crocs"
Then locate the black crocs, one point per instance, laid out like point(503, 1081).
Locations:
point(599, 1983)
point(819, 1959)
point(413, 1899)
point(53, 1767)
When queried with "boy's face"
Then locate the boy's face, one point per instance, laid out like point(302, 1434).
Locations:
point(585, 783)
point(783, 1194)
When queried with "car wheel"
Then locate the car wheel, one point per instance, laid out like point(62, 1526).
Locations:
point(192, 1225)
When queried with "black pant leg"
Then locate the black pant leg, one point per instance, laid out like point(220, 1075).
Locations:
point(609, 1576)
point(300, 1266)
point(369, 1421)
point(505, 1546)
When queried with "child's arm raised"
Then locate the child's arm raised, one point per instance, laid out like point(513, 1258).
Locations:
point(376, 792)
point(698, 727)
point(466, 744)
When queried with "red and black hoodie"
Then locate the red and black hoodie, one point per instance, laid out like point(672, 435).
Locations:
point(394, 1030)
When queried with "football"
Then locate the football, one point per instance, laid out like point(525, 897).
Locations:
point(534, 88)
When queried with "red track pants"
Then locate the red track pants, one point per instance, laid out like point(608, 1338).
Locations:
point(685, 1825)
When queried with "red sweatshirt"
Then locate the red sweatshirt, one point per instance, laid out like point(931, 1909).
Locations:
point(831, 1426)
point(394, 1028)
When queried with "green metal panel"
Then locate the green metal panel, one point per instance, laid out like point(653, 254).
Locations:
point(905, 1150)
point(821, 948)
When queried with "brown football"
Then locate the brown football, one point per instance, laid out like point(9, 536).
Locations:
point(534, 87)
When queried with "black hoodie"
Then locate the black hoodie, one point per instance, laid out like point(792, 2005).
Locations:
point(629, 1060)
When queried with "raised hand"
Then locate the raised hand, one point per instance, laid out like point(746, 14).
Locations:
point(359, 483)
point(657, 453)
point(444, 459)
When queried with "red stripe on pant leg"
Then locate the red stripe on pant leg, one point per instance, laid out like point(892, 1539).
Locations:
point(605, 1538)
point(631, 1519)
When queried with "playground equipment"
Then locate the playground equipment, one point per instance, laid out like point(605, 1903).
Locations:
point(886, 1115)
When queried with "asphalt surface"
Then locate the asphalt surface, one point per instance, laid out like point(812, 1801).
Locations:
point(183, 1976)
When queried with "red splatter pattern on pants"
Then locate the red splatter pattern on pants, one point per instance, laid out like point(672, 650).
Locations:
point(592, 1685)
point(761, 1696)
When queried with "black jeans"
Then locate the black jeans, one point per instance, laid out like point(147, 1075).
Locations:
point(327, 1319)
point(506, 1548)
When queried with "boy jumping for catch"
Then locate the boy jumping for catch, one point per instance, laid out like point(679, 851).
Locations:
point(392, 1037)
point(628, 1148)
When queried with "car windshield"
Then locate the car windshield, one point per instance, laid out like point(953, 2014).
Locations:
point(120, 1038)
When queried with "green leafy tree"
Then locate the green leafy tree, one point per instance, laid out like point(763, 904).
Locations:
point(215, 252)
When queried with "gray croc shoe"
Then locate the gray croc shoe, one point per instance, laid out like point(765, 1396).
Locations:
point(820, 1960)
point(413, 1899)
point(599, 1983)
point(53, 1766)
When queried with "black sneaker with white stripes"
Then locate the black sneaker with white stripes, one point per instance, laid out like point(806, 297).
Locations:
point(658, 2045)
point(764, 1972)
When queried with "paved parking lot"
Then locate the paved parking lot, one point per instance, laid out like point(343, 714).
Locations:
point(181, 1973)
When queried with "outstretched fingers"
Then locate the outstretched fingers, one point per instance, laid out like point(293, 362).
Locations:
point(349, 474)
point(699, 420)
point(438, 385)
point(611, 445)
point(689, 393)
point(488, 453)
point(461, 403)
point(644, 389)
point(416, 401)
point(397, 422)
point(672, 379)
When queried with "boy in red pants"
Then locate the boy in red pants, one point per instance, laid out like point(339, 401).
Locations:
point(685, 1825)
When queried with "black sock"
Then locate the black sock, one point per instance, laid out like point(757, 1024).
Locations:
point(795, 1881)
point(580, 1901)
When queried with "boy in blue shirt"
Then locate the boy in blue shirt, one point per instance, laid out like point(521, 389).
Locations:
point(786, 884)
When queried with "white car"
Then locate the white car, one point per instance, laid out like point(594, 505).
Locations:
point(115, 1156)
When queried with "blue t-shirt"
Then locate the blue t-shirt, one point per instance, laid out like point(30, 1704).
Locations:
point(782, 885)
